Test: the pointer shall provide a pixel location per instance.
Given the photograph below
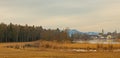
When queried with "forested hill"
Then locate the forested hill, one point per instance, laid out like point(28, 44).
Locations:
point(20, 33)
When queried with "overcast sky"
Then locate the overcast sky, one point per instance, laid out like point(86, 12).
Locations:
point(83, 15)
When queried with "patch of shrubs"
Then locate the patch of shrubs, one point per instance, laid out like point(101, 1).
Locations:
point(9, 46)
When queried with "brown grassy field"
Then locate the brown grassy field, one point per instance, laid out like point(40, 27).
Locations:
point(31, 53)
point(68, 45)
point(53, 50)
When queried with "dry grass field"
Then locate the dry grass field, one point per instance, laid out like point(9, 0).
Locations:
point(53, 50)
point(12, 53)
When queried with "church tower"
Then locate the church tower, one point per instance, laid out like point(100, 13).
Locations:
point(102, 31)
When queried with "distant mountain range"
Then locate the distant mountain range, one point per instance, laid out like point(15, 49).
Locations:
point(73, 31)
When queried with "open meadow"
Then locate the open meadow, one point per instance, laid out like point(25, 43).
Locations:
point(19, 50)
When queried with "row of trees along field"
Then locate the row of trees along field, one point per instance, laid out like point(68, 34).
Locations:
point(20, 33)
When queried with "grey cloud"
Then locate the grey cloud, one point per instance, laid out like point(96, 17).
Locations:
point(78, 12)
point(52, 7)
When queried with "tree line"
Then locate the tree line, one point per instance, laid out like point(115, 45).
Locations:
point(24, 33)
point(19, 33)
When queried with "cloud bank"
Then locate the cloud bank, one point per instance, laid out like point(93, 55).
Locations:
point(83, 15)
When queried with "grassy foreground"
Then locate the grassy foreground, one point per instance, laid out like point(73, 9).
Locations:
point(31, 52)
point(13, 53)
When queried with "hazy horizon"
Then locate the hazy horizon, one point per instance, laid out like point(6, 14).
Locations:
point(83, 15)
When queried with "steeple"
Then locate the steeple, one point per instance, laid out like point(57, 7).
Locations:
point(115, 31)
point(102, 31)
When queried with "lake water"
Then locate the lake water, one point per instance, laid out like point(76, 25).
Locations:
point(98, 42)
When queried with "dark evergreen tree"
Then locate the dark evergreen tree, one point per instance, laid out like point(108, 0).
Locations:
point(19, 33)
